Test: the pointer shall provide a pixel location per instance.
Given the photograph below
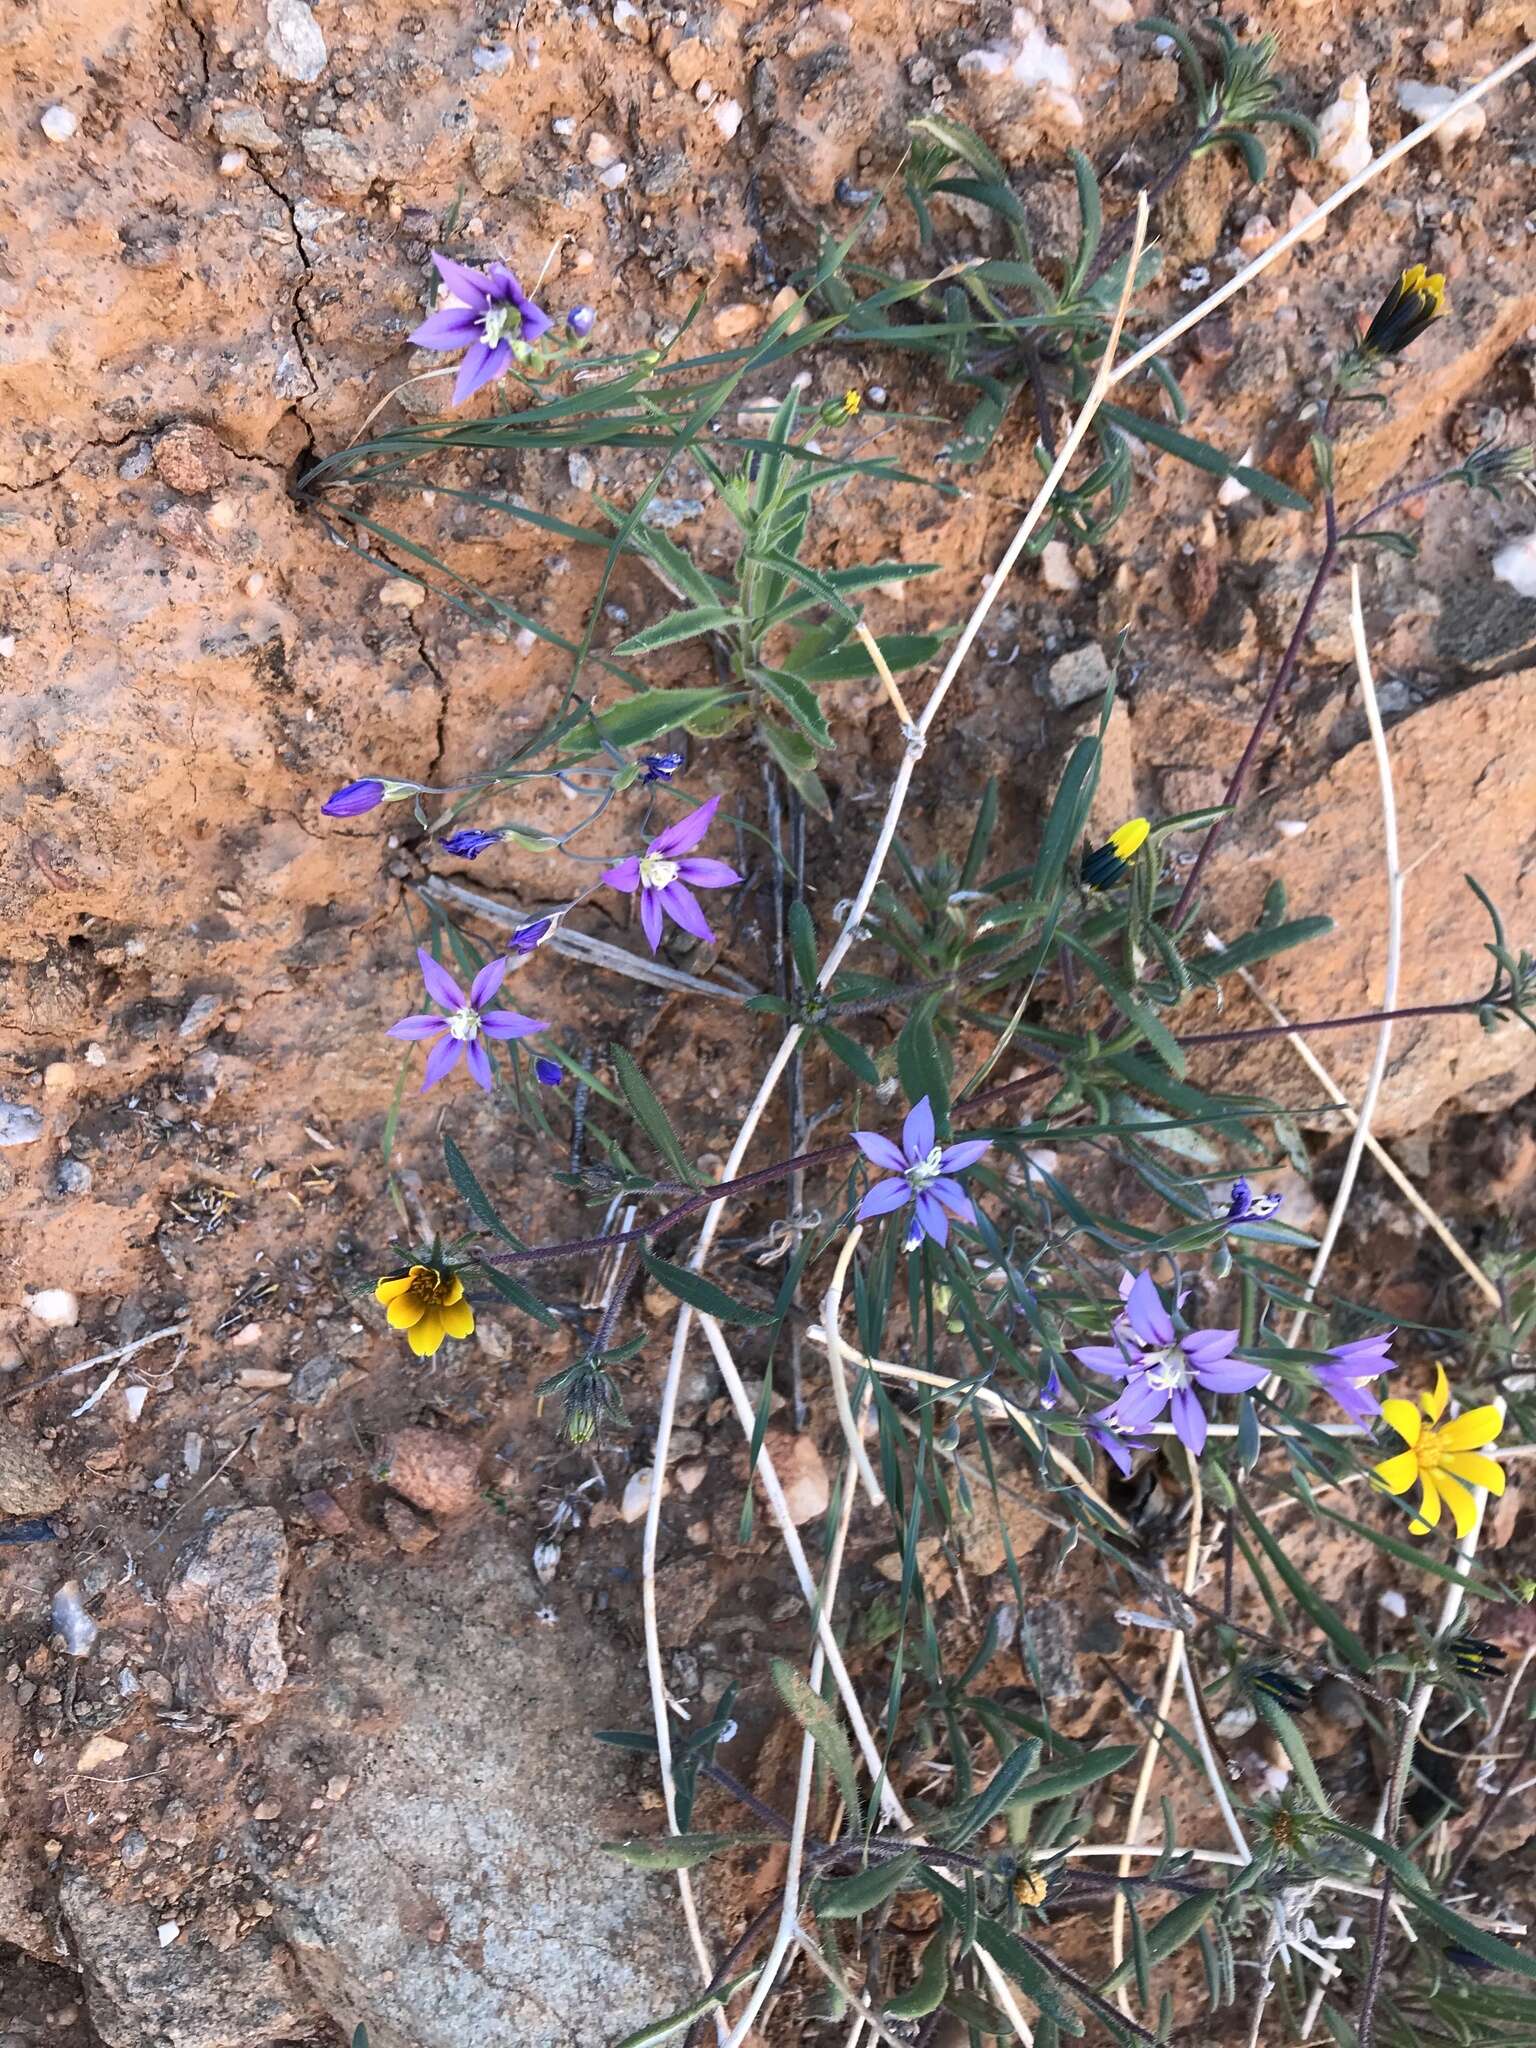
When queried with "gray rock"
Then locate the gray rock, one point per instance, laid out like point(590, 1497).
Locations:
point(185, 1996)
point(199, 1012)
point(663, 172)
point(294, 41)
point(314, 1380)
point(465, 1728)
point(72, 1177)
point(581, 470)
point(497, 161)
point(338, 161)
point(491, 58)
point(1074, 678)
point(28, 1483)
point(1278, 602)
point(670, 512)
point(246, 128)
point(133, 1850)
point(20, 1124)
point(224, 1606)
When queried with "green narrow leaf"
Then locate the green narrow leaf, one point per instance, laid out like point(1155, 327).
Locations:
point(662, 2030)
point(799, 700)
point(851, 1053)
point(852, 663)
point(520, 1297)
point(796, 756)
point(1142, 1015)
point(1170, 1933)
point(678, 1852)
point(968, 1819)
point(649, 714)
point(684, 625)
point(820, 1721)
point(1059, 1781)
point(920, 1065)
point(1200, 455)
point(651, 1116)
point(802, 945)
point(1064, 824)
point(845, 1898)
point(1285, 1731)
point(475, 1199)
point(703, 1294)
point(1091, 217)
point(926, 1994)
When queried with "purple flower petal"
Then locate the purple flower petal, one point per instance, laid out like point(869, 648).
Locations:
point(917, 1131)
point(882, 1198)
point(955, 1158)
point(417, 1027)
point(353, 798)
point(1104, 1358)
point(455, 327)
point(536, 322)
point(1189, 1421)
point(953, 1197)
point(1145, 1311)
point(683, 907)
point(879, 1151)
point(441, 986)
point(510, 1024)
point(487, 981)
point(930, 1215)
point(442, 1060)
point(1139, 1403)
point(478, 1060)
point(1050, 1393)
point(472, 286)
point(1117, 1452)
point(1204, 1347)
point(1363, 1348)
point(625, 876)
point(1227, 1375)
point(703, 873)
point(475, 370)
point(651, 919)
point(686, 833)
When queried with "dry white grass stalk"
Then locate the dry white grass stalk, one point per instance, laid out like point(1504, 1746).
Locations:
point(1383, 1158)
point(1213, 1770)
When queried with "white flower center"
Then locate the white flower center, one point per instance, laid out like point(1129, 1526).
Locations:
point(465, 1023)
point(1167, 1370)
point(926, 1172)
point(657, 873)
point(496, 321)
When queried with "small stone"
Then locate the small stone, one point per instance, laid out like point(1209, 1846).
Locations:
point(325, 1512)
point(294, 41)
point(492, 59)
point(54, 1306)
point(497, 160)
point(1343, 131)
point(167, 1932)
point(1259, 233)
point(581, 470)
point(58, 123)
point(100, 1750)
point(72, 1177)
point(316, 1379)
point(613, 177)
point(1514, 565)
point(267, 1809)
point(20, 1124)
point(58, 1077)
point(71, 1621)
point(691, 1474)
point(246, 128)
point(133, 1850)
point(224, 1606)
point(95, 1055)
point(1338, 1702)
point(1425, 101)
point(402, 593)
point(191, 458)
point(802, 1473)
point(726, 115)
point(340, 162)
point(433, 1470)
point(637, 1494)
point(407, 1530)
point(1075, 677)
point(688, 62)
point(737, 319)
point(1302, 208)
point(1056, 568)
point(601, 149)
point(629, 21)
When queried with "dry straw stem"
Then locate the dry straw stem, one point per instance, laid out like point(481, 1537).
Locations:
point(1106, 379)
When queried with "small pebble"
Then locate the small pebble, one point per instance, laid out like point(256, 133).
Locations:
point(233, 163)
point(613, 177)
point(58, 124)
point(71, 1621)
point(726, 115)
point(637, 1495)
point(54, 1306)
point(601, 148)
point(167, 1931)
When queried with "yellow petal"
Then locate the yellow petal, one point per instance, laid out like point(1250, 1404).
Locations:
point(392, 1286)
point(1434, 1401)
point(1429, 1509)
point(427, 1335)
point(404, 1311)
point(453, 1290)
point(1399, 1473)
point(458, 1318)
point(1130, 837)
point(1461, 1504)
point(1405, 1418)
point(1471, 1431)
point(1476, 1470)
point(1413, 278)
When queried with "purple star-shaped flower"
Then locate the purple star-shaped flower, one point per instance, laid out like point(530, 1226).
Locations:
point(663, 872)
point(1244, 1206)
point(1159, 1366)
point(1349, 1367)
point(468, 1021)
point(923, 1175)
point(491, 312)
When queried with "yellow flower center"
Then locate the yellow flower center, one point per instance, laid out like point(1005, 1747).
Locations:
point(656, 872)
point(852, 400)
point(431, 1288)
point(1430, 1451)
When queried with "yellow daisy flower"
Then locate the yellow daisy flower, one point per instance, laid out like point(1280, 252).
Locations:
point(1443, 1457)
point(427, 1305)
point(1105, 865)
point(852, 400)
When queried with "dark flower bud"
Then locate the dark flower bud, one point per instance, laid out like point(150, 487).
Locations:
point(581, 320)
point(1413, 302)
point(659, 767)
point(1475, 1659)
point(550, 1072)
point(1284, 1690)
point(468, 844)
point(353, 798)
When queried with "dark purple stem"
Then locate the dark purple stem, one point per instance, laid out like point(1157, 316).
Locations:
point(1463, 1009)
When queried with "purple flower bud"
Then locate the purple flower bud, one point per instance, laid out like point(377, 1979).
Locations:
point(581, 320)
point(550, 1072)
point(353, 798)
point(468, 844)
point(529, 936)
point(659, 767)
